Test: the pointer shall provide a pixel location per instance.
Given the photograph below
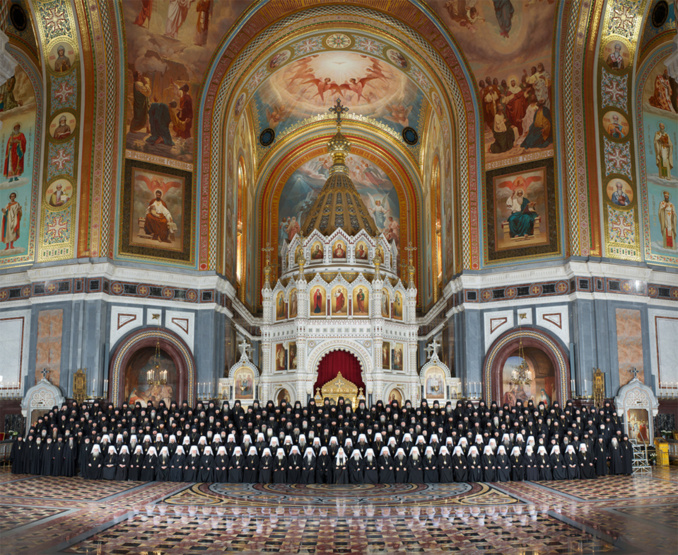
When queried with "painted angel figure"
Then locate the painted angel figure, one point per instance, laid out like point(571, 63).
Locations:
point(379, 210)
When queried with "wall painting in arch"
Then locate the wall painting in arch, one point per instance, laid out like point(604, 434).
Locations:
point(170, 44)
point(521, 202)
point(302, 188)
point(660, 136)
point(18, 112)
point(136, 385)
point(540, 372)
point(157, 212)
point(629, 344)
point(509, 46)
point(244, 383)
point(302, 87)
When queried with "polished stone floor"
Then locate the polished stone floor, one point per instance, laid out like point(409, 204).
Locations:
point(69, 515)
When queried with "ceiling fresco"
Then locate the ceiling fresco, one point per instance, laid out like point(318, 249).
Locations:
point(377, 81)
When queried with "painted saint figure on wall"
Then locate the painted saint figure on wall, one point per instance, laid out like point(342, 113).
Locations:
point(15, 154)
point(523, 214)
point(663, 149)
point(62, 63)
point(158, 219)
point(667, 222)
point(63, 130)
point(11, 222)
point(662, 93)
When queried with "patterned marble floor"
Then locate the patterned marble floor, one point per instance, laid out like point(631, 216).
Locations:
point(610, 515)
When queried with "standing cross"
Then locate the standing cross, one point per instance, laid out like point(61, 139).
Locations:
point(635, 373)
point(244, 347)
point(338, 109)
point(45, 373)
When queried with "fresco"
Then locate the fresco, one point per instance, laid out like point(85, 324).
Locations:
point(309, 85)
point(542, 375)
point(169, 47)
point(244, 383)
point(521, 204)
point(660, 130)
point(17, 132)
point(302, 188)
point(137, 388)
point(629, 344)
point(508, 44)
point(156, 212)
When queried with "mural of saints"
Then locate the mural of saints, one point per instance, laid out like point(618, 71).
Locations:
point(11, 222)
point(15, 154)
point(667, 222)
point(663, 149)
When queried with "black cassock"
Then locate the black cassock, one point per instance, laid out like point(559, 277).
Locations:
point(431, 474)
point(558, 466)
point(600, 458)
point(57, 458)
point(280, 469)
point(265, 469)
point(459, 468)
point(16, 456)
point(294, 469)
point(370, 471)
point(235, 468)
point(251, 471)
point(191, 469)
point(163, 468)
point(572, 465)
point(489, 468)
point(83, 457)
point(503, 468)
point(176, 473)
point(308, 469)
point(206, 468)
point(148, 468)
point(627, 456)
point(94, 465)
point(220, 473)
point(401, 470)
point(340, 473)
point(36, 461)
point(544, 466)
point(323, 469)
point(531, 467)
point(587, 469)
point(122, 467)
point(475, 468)
point(415, 471)
point(445, 469)
point(386, 469)
point(517, 468)
point(355, 469)
point(135, 467)
point(70, 452)
point(616, 460)
point(46, 458)
point(110, 460)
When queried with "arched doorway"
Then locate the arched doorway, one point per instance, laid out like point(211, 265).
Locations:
point(339, 361)
point(136, 355)
point(539, 370)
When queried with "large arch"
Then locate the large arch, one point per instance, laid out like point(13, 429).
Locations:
point(168, 342)
point(227, 76)
point(531, 337)
point(352, 347)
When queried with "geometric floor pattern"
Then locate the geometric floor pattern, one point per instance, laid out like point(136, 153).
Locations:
point(609, 515)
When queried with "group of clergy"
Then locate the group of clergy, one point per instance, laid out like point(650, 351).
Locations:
point(325, 444)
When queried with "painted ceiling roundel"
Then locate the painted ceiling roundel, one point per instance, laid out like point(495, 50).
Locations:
point(301, 80)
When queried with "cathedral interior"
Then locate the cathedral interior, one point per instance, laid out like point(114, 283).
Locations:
point(295, 200)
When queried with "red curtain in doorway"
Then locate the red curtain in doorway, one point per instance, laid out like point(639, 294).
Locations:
point(335, 362)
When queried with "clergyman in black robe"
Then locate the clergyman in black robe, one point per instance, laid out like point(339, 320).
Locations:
point(323, 467)
point(370, 468)
point(386, 466)
point(400, 462)
point(251, 469)
point(177, 463)
point(531, 466)
point(355, 468)
point(489, 462)
point(110, 462)
point(557, 464)
point(308, 466)
point(236, 464)
point(280, 467)
point(341, 467)
point(544, 464)
point(265, 466)
point(503, 465)
point(415, 467)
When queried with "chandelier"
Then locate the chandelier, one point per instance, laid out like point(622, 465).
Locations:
point(156, 376)
point(521, 375)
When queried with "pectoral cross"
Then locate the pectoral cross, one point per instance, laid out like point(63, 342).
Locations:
point(338, 109)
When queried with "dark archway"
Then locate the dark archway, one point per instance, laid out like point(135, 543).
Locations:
point(133, 354)
point(546, 359)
